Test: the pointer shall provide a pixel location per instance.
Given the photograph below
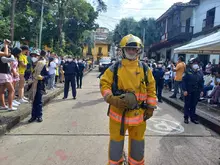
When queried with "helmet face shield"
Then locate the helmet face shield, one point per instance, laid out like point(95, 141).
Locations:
point(132, 46)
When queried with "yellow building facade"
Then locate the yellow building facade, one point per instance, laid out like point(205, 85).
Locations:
point(99, 50)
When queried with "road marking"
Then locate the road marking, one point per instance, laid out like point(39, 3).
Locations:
point(165, 126)
point(107, 135)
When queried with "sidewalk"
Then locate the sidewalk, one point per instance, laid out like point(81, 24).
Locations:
point(208, 114)
point(10, 119)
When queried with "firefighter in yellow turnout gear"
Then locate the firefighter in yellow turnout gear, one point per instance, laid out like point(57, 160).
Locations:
point(127, 76)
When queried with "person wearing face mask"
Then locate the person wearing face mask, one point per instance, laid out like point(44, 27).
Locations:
point(159, 78)
point(70, 71)
point(179, 69)
point(128, 77)
point(39, 75)
point(192, 85)
point(79, 77)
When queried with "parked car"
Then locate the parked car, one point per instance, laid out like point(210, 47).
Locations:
point(104, 63)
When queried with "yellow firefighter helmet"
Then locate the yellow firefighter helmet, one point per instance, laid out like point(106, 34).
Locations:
point(131, 41)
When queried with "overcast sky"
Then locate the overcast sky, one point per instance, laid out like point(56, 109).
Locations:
point(137, 9)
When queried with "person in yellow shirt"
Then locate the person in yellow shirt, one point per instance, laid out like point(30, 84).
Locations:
point(180, 69)
point(21, 69)
point(128, 78)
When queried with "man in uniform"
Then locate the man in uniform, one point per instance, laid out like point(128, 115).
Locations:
point(79, 77)
point(125, 77)
point(192, 90)
point(70, 71)
point(158, 76)
point(40, 74)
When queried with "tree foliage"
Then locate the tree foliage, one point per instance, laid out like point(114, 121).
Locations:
point(130, 26)
point(63, 25)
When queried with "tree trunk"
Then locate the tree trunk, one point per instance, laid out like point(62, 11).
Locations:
point(12, 19)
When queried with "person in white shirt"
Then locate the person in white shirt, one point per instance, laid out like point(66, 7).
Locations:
point(167, 79)
point(52, 73)
point(209, 83)
point(215, 95)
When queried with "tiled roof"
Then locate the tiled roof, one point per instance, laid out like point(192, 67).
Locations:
point(175, 6)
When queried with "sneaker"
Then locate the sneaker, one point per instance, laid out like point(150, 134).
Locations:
point(16, 102)
point(4, 108)
point(12, 109)
point(23, 101)
point(25, 98)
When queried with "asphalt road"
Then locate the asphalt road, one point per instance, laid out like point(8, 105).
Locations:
point(75, 132)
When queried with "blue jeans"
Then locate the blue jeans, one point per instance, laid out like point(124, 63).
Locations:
point(177, 85)
point(206, 89)
point(51, 81)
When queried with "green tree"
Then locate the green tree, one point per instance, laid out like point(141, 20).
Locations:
point(4, 19)
point(130, 26)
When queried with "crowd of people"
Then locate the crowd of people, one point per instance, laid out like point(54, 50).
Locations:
point(20, 65)
point(169, 76)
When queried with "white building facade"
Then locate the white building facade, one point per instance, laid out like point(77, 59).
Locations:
point(195, 20)
point(206, 21)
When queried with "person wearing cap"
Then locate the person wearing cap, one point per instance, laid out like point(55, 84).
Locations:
point(21, 69)
point(39, 75)
point(158, 73)
point(192, 85)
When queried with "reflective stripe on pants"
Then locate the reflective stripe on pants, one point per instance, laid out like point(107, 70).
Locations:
point(135, 147)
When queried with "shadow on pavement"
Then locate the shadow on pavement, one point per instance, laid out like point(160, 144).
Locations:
point(88, 103)
point(92, 92)
point(61, 100)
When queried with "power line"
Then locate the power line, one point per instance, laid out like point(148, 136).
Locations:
point(139, 8)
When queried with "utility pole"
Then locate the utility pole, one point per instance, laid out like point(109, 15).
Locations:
point(142, 56)
point(41, 23)
point(12, 20)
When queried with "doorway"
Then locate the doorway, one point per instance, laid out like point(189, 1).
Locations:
point(204, 59)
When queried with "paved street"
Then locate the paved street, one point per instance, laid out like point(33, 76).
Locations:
point(75, 132)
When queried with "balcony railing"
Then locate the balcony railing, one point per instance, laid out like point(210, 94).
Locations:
point(182, 31)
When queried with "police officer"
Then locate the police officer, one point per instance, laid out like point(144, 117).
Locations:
point(40, 74)
point(70, 71)
point(158, 73)
point(79, 78)
point(192, 88)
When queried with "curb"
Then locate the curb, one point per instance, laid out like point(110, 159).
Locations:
point(203, 119)
point(11, 121)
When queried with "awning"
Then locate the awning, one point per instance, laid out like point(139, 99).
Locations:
point(207, 45)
